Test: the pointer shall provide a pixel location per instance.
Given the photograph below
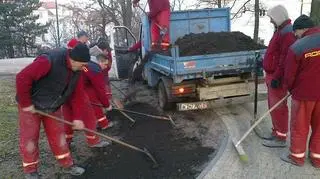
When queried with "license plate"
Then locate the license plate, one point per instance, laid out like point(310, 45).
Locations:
point(192, 106)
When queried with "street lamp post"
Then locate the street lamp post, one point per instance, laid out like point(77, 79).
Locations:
point(57, 18)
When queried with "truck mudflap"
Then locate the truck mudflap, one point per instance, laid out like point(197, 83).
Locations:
point(200, 105)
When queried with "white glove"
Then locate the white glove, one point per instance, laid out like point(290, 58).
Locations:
point(78, 125)
point(108, 108)
point(30, 109)
point(117, 103)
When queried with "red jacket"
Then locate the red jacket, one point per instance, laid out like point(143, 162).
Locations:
point(37, 70)
point(274, 59)
point(94, 84)
point(156, 6)
point(302, 71)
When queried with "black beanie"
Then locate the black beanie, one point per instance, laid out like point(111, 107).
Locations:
point(303, 22)
point(82, 33)
point(80, 53)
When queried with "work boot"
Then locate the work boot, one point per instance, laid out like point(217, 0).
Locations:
point(269, 136)
point(33, 175)
point(275, 143)
point(73, 170)
point(315, 165)
point(285, 156)
point(111, 124)
point(101, 144)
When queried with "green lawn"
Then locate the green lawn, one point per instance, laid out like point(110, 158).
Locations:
point(8, 117)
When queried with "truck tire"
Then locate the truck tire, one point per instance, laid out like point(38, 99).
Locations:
point(163, 97)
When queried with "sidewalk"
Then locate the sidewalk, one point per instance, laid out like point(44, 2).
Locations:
point(264, 163)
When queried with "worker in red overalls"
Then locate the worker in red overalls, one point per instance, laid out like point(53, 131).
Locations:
point(82, 37)
point(103, 48)
point(46, 84)
point(88, 114)
point(273, 64)
point(302, 79)
point(160, 21)
point(95, 87)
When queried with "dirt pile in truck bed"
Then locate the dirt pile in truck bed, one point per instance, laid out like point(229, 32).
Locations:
point(178, 156)
point(215, 42)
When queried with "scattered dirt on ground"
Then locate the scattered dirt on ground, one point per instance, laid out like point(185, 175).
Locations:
point(182, 152)
point(178, 156)
point(215, 42)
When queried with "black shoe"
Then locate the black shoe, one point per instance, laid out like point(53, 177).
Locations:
point(74, 170)
point(275, 143)
point(269, 136)
point(33, 175)
point(101, 144)
point(285, 157)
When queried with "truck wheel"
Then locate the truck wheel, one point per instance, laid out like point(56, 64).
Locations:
point(163, 97)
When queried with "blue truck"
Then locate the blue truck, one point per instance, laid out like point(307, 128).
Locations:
point(190, 82)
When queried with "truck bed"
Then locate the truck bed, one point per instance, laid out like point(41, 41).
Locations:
point(193, 67)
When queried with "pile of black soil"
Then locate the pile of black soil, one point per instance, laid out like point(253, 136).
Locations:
point(215, 42)
point(177, 155)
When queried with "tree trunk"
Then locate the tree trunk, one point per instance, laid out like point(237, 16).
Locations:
point(219, 4)
point(25, 47)
point(315, 13)
point(256, 21)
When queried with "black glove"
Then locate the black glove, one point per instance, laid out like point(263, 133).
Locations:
point(275, 83)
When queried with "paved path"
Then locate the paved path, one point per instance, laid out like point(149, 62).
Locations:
point(264, 163)
point(12, 66)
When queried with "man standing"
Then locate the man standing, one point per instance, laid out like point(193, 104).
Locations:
point(160, 20)
point(82, 37)
point(273, 64)
point(302, 78)
point(47, 83)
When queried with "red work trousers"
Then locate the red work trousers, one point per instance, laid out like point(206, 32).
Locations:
point(304, 114)
point(89, 119)
point(29, 129)
point(279, 115)
point(163, 20)
point(101, 118)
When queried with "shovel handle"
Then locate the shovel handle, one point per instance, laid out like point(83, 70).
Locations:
point(92, 131)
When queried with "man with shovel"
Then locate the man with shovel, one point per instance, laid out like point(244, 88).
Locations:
point(51, 80)
point(88, 115)
point(160, 20)
point(302, 78)
point(96, 89)
point(273, 64)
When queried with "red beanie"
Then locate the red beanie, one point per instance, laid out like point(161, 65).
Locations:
point(72, 43)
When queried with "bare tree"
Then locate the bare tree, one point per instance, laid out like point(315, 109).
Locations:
point(315, 13)
point(214, 3)
point(177, 4)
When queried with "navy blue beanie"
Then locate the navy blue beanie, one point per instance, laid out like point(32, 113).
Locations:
point(80, 53)
point(303, 22)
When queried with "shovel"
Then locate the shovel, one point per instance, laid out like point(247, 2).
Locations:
point(143, 114)
point(144, 150)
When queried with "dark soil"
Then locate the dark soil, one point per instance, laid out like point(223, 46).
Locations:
point(178, 156)
point(215, 42)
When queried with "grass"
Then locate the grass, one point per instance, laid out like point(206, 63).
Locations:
point(8, 118)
